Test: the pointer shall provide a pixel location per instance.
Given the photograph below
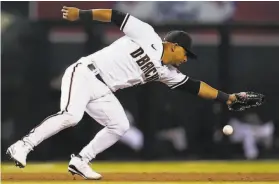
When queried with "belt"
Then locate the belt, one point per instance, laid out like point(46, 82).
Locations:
point(93, 68)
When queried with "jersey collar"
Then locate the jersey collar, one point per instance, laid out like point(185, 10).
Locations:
point(162, 55)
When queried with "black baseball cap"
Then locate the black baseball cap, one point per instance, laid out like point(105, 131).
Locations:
point(183, 39)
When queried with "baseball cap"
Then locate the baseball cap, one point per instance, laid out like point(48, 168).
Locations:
point(183, 39)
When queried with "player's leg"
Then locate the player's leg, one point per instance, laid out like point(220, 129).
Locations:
point(108, 112)
point(74, 98)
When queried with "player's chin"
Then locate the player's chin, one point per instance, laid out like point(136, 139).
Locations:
point(181, 63)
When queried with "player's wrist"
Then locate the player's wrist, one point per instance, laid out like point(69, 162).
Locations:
point(223, 97)
point(85, 15)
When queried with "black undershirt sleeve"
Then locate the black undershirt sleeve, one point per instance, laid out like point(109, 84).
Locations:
point(191, 85)
point(119, 18)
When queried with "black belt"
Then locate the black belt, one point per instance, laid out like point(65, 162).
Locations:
point(98, 76)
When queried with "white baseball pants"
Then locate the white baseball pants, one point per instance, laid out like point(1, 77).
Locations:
point(82, 91)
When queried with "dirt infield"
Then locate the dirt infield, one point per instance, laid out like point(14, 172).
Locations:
point(146, 177)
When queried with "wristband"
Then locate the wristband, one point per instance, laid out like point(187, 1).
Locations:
point(86, 15)
point(222, 97)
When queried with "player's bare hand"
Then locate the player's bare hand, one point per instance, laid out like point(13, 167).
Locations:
point(232, 98)
point(70, 13)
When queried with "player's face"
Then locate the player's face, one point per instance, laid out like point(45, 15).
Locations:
point(179, 55)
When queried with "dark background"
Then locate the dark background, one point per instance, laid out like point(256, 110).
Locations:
point(37, 46)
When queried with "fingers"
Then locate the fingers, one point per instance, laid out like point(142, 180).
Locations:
point(65, 11)
point(69, 13)
point(65, 15)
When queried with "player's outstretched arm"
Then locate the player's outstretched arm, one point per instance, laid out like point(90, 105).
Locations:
point(127, 23)
point(236, 102)
point(205, 91)
point(208, 92)
point(73, 14)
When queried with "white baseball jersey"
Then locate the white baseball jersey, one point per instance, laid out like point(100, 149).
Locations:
point(135, 58)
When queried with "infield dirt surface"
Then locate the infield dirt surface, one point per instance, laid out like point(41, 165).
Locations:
point(148, 172)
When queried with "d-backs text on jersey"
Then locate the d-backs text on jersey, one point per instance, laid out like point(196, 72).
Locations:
point(145, 65)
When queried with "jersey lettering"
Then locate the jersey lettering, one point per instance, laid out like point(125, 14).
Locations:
point(137, 53)
point(145, 64)
point(142, 61)
point(147, 67)
point(152, 75)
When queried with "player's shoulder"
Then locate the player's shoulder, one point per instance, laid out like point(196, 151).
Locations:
point(168, 68)
point(172, 68)
point(152, 45)
point(151, 36)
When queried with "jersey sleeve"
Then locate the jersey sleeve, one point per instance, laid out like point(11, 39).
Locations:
point(135, 28)
point(132, 26)
point(173, 78)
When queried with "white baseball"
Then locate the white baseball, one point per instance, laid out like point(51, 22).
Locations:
point(228, 130)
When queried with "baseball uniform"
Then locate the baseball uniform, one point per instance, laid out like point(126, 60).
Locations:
point(88, 85)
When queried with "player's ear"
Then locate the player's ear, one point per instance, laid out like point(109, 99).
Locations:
point(173, 45)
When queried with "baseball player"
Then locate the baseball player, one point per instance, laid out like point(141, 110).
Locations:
point(140, 56)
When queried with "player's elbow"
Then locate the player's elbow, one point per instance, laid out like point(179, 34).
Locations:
point(191, 85)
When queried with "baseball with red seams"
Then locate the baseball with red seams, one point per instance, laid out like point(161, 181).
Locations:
point(228, 130)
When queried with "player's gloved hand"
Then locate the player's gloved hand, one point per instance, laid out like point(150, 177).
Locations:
point(70, 13)
point(245, 100)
